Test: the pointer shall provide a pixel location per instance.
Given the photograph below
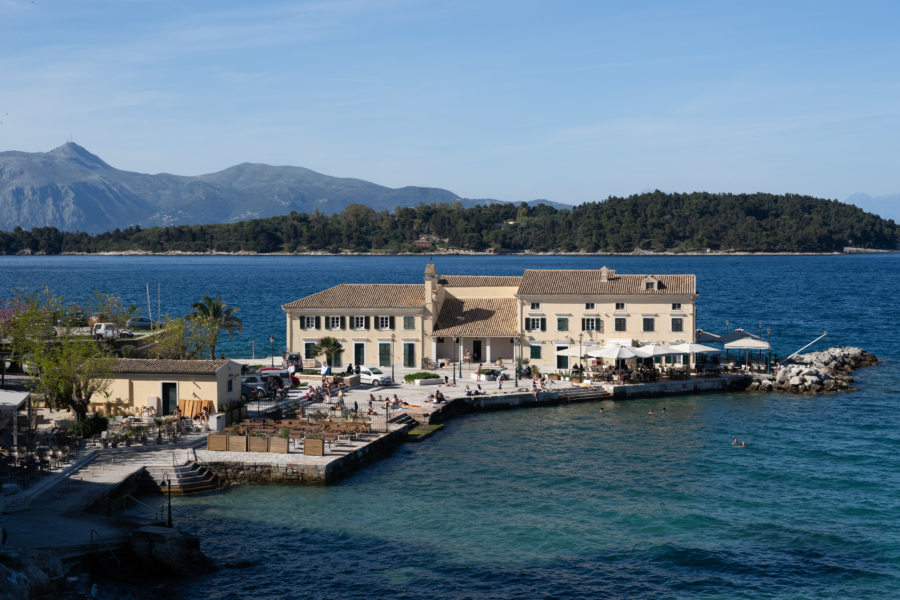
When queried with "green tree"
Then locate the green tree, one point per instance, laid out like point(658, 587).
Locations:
point(328, 346)
point(212, 315)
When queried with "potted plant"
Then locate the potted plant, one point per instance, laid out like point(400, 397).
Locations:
point(280, 443)
point(236, 441)
point(314, 446)
point(257, 443)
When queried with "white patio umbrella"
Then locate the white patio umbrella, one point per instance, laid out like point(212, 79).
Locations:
point(692, 348)
point(614, 352)
point(654, 350)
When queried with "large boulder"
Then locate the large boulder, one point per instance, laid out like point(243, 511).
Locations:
point(168, 551)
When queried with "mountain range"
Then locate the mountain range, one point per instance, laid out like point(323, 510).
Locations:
point(71, 189)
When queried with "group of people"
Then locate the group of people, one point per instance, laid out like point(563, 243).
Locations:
point(476, 392)
point(437, 397)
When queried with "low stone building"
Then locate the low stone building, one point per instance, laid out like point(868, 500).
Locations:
point(161, 384)
point(550, 317)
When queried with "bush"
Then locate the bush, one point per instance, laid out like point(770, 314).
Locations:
point(421, 375)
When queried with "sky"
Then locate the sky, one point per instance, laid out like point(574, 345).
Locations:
point(513, 100)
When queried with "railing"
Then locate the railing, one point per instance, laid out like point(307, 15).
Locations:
point(208, 467)
point(104, 544)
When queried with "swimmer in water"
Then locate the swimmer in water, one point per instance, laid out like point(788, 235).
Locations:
point(743, 444)
point(734, 442)
point(651, 412)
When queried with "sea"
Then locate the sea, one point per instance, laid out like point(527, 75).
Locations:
point(563, 501)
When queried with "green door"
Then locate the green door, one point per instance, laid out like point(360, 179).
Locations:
point(409, 354)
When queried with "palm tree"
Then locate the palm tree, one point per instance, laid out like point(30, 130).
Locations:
point(328, 346)
point(213, 315)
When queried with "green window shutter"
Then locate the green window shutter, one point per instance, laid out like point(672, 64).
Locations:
point(343, 322)
point(367, 323)
point(318, 322)
point(543, 324)
point(583, 324)
point(302, 322)
point(392, 322)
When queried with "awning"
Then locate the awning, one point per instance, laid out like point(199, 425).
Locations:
point(692, 348)
point(614, 352)
point(748, 344)
point(13, 399)
point(652, 350)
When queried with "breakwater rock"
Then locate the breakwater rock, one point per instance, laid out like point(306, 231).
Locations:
point(826, 371)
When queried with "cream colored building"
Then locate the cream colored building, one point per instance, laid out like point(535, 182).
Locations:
point(137, 383)
point(551, 317)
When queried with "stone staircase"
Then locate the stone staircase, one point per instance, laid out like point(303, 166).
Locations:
point(188, 479)
point(404, 419)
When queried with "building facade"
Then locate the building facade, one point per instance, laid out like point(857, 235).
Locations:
point(550, 317)
point(161, 384)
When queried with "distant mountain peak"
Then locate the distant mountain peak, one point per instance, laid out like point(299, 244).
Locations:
point(72, 151)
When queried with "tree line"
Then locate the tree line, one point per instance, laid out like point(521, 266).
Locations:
point(654, 222)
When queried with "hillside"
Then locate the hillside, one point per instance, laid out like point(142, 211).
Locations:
point(654, 222)
point(71, 189)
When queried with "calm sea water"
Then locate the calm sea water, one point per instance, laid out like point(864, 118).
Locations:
point(568, 502)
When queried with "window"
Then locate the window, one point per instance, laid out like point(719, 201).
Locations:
point(309, 350)
point(621, 324)
point(334, 322)
point(383, 322)
point(649, 324)
point(562, 323)
point(620, 306)
point(230, 384)
point(535, 352)
point(562, 362)
point(676, 306)
point(310, 322)
point(535, 324)
point(359, 323)
point(589, 324)
point(677, 324)
point(409, 322)
point(650, 285)
point(384, 354)
point(535, 306)
point(589, 306)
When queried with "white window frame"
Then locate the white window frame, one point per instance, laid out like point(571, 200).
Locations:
point(676, 306)
point(413, 328)
point(535, 306)
point(566, 319)
point(590, 306)
point(621, 306)
point(644, 324)
point(334, 323)
point(384, 323)
point(624, 324)
point(681, 320)
point(590, 324)
point(359, 322)
point(309, 322)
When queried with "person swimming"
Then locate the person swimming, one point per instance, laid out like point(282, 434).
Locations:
point(734, 442)
point(651, 412)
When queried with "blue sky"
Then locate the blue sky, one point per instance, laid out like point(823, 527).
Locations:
point(569, 101)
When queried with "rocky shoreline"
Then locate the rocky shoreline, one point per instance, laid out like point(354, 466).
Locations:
point(817, 372)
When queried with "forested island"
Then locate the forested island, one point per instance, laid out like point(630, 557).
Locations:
point(651, 222)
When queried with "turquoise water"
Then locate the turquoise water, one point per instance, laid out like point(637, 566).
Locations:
point(569, 502)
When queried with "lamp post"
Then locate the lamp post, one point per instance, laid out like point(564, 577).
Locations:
point(272, 343)
point(452, 366)
point(460, 356)
point(580, 353)
point(516, 363)
point(392, 357)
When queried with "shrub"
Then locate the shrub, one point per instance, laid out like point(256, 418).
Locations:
point(284, 432)
point(92, 426)
point(420, 375)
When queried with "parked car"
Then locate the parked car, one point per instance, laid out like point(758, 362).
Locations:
point(373, 376)
point(140, 323)
point(109, 331)
point(255, 381)
point(282, 373)
point(251, 392)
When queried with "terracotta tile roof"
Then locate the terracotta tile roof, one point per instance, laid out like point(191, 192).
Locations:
point(588, 283)
point(480, 280)
point(150, 366)
point(365, 295)
point(478, 317)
